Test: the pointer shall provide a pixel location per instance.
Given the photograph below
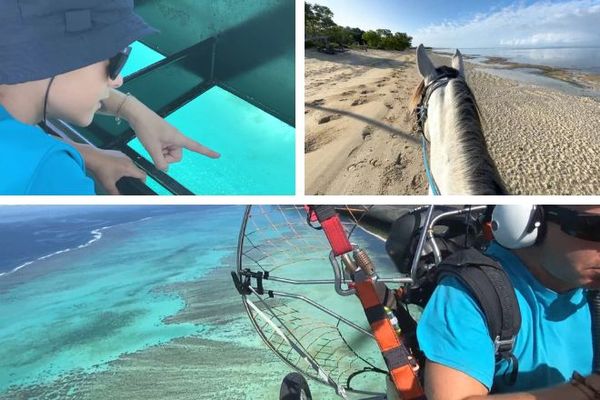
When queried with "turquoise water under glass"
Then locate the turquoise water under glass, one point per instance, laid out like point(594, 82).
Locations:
point(141, 56)
point(257, 150)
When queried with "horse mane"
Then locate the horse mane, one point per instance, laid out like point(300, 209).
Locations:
point(415, 100)
point(475, 162)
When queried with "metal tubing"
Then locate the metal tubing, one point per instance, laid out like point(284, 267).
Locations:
point(338, 278)
point(324, 309)
point(419, 249)
point(436, 250)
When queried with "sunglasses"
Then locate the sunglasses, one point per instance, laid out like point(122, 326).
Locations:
point(117, 62)
point(573, 223)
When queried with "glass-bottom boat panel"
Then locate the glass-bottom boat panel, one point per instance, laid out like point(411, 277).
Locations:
point(257, 149)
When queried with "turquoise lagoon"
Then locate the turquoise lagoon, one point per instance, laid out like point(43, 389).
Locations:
point(148, 310)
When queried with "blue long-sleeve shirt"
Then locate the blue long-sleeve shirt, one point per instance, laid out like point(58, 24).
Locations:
point(34, 163)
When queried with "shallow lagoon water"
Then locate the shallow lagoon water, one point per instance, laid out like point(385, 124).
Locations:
point(147, 311)
point(581, 58)
point(533, 76)
point(81, 309)
point(586, 60)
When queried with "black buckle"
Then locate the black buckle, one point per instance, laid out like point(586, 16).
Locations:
point(243, 287)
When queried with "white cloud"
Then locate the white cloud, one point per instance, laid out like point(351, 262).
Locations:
point(542, 24)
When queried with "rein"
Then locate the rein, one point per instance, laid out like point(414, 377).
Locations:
point(436, 81)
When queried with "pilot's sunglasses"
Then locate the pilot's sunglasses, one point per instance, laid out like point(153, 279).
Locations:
point(117, 62)
point(573, 223)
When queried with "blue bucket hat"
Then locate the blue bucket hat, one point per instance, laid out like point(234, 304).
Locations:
point(45, 38)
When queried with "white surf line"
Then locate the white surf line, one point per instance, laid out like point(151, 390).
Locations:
point(96, 235)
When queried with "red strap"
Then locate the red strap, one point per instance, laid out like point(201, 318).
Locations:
point(488, 233)
point(332, 225)
point(334, 230)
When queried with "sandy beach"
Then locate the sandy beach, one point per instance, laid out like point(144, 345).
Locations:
point(360, 135)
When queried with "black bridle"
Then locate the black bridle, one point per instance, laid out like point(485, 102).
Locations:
point(440, 78)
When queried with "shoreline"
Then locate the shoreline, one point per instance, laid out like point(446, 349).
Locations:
point(581, 79)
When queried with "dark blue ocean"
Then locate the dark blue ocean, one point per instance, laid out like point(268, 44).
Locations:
point(30, 232)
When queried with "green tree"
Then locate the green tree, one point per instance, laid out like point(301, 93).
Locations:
point(310, 20)
point(372, 39)
point(340, 35)
point(357, 34)
point(385, 40)
point(403, 41)
point(319, 22)
point(318, 19)
point(384, 33)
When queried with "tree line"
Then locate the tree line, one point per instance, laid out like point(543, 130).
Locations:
point(319, 23)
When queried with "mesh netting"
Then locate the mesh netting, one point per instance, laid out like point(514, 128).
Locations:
point(299, 315)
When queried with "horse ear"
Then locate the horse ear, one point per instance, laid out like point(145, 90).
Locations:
point(457, 63)
point(424, 64)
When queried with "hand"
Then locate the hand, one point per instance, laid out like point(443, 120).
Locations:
point(162, 140)
point(108, 166)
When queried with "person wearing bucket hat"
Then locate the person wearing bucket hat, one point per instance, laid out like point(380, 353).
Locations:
point(62, 59)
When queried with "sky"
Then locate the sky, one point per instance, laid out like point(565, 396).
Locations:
point(481, 23)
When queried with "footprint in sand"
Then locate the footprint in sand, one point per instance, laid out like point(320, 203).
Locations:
point(349, 93)
point(389, 105)
point(360, 101)
point(318, 102)
point(375, 162)
point(366, 91)
point(355, 166)
point(415, 182)
point(366, 133)
point(329, 118)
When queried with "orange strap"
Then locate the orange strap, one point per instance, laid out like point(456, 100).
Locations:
point(397, 357)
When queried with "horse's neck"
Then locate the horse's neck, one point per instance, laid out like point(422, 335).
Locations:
point(443, 155)
point(450, 164)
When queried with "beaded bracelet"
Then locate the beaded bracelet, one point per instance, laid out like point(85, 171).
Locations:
point(580, 382)
point(118, 113)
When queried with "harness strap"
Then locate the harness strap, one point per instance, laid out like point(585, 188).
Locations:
point(372, 295)
point(490, 285)
point(399, 361)
point(332, 225)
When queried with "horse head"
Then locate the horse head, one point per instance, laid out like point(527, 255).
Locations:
point(449, 121)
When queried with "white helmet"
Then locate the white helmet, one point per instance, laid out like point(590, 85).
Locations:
point(518, 226)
